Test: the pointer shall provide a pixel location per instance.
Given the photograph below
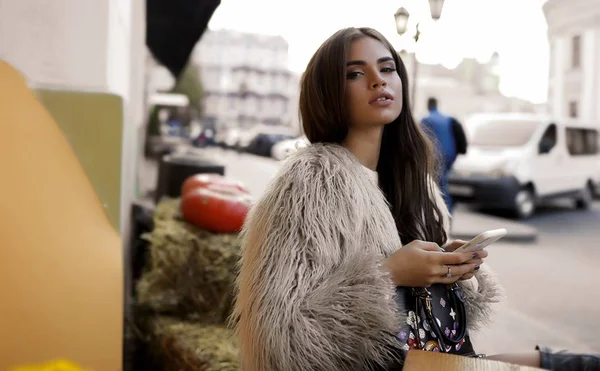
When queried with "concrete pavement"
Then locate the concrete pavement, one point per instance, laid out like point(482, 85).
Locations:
point(467, 224)
point(551, 298)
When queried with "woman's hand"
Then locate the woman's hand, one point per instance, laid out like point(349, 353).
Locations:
point(481, 254)
point(421, 264)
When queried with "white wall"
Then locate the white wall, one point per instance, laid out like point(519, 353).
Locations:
point(136, 109)
point(590, 69)
point(596, 102)
point(558, 60)
point(58, 42)
point(118, 48)
point(88, 45)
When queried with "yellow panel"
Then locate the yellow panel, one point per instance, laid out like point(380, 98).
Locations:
point(61, 261)
point(93, 125)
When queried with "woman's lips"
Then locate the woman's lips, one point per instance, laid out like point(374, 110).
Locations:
point(382, 102)
point(383, 99)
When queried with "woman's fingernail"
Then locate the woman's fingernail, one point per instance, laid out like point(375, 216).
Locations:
point(474, 255)
point(477, 267)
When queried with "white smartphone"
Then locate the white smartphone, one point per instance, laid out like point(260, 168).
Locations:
point(483, 240)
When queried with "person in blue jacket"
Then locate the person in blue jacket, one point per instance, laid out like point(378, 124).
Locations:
point(439, 128)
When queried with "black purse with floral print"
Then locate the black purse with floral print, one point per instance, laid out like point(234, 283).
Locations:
point(436, 320)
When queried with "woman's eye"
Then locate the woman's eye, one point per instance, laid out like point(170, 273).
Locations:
point(388, 69)
point(353, 75)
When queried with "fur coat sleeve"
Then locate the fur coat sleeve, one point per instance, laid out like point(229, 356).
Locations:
point(308, 297)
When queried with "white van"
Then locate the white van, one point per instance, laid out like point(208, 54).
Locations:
point(516, 160)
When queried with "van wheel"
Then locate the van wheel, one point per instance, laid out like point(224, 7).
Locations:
point(524, 203)
point(585, 198)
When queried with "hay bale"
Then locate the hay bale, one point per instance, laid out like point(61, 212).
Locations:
point(191, 271)
point(183, 346)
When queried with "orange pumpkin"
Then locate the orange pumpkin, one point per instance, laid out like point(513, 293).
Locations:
point(217, 208)
point(207, 179)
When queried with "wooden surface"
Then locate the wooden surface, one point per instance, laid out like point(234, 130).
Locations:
point(418, 360)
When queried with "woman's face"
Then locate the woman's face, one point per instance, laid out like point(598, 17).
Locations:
point(373, 87)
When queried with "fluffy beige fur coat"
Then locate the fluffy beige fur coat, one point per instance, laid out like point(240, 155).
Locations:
point(310, 292)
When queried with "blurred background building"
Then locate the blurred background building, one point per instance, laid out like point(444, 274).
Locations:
point(472, 87)
point(574, 36)
point(246, 79)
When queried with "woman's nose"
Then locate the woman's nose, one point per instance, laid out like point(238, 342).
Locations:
point(379, 82)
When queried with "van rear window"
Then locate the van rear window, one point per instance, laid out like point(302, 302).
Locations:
point(582, 142)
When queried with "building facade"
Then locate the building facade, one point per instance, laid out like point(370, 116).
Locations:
point(470, 88)
point(574, 36)
point(246, 79)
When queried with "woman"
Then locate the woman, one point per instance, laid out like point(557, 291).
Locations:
point(346, 220)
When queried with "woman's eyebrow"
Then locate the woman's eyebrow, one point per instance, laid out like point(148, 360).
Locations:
point(363, 63)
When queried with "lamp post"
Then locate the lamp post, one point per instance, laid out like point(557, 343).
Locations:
point(401, 17)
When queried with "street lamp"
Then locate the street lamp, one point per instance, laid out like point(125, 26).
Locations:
point(436, 8)
point(401, 16)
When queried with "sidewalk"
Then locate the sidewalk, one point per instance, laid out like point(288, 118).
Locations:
point(512, 331)
point(467, 224)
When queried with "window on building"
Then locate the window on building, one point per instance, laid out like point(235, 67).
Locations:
point(251, 105)
point(573, 109)
point(259, 106)
point(576, 51)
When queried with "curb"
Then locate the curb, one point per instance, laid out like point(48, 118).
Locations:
point(528, 237)
point(467, 224)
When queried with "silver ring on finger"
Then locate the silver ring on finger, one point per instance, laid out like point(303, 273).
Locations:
point(449, 274)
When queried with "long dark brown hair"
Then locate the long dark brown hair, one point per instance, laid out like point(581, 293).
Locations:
point(407, 161)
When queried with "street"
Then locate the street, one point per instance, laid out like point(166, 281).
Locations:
point(552, 297)
point(575, 230)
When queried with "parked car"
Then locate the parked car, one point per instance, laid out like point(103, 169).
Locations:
point(227, 137)
point(262, 143)
point(241, 138)
point(283, 149)
point(515, 161)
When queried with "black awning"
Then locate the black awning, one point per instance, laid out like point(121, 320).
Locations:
point(173, 27)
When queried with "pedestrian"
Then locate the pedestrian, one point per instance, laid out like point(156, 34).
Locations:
point(351, 227)
point(448, 137)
